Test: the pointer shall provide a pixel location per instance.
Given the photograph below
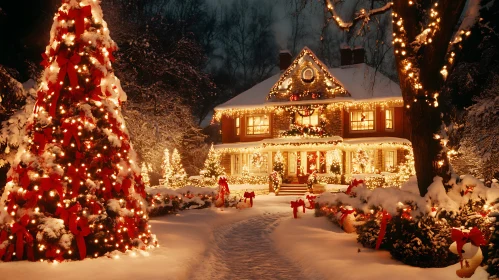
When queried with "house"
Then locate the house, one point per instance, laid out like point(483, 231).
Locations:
point(338, 122)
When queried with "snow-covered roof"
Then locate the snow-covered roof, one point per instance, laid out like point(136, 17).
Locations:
point(360, 80)
point(334, 140)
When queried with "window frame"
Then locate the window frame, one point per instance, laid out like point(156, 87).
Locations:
point(301, 118)
point(361, 130)
point(385, 156)
point(238, 126)
point(253, 126)
point(392, 120)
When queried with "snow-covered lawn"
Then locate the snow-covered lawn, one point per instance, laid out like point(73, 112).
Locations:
point(188, 250)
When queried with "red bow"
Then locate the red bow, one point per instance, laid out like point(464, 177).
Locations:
point(131, 228)
point(77, 175)
point(52, 182)
point(41, 139)
point(64, 213)
point(384, 221)
point(344, 213)
point(71, 132)
point(139, 185)
point(96, 94)
point(79, 16)
point(55, 98)
point(224, 186)
point(311, 201)
point(249, 195)
point(469, 189)
point(295, 205)
point(23, 236)
point(105, 174)
point(124, 186)
point(354, 183)
point(23, 178)
point(79, 227)
point(67, 66)
point(475, 236)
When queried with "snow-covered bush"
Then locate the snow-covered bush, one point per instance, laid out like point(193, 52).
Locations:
point(422, 242)
point(419, 230)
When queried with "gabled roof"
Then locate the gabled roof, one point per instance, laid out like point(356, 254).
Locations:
point(307, 57)
point(362, 82)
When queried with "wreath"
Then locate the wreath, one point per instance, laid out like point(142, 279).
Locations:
point(257, 159)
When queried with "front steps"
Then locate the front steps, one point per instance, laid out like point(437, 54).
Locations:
point(292, 190)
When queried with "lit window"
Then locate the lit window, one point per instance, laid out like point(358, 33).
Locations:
point(389, 161)
point(302, 118)
point(389, 119)
point(362, 120)
point(257, 125)
point(238, 126)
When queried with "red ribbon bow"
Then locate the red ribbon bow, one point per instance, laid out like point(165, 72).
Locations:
point(79, 227)
point(52, 182)
point(41, 139)
point(77, 175)
point(23, 178)
point(344, 213)
point(79, 16)
point(384, 221)
point(311, 201)
point(23, 236)
point(67, 66)
point(64, 213)
point(249, 195)
point(295, 205)
point(354, 183)
point(71, 132)
point(475, 236)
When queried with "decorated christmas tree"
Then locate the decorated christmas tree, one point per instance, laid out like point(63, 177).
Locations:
point(166, 166)
point(179, 177)
point(406, 169)
point(279, 164)
point(74, 189)
point(144, 172)
point(212, 167)
point(361, 160)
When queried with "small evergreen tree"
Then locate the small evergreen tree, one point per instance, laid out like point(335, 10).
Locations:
point(166, 166)
point(279, 164)
point(144, 172)
point(212, 168)
point(179, 177)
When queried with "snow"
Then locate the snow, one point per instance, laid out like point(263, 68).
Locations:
point(357, 79)
point(263, 242)
point(301, 140)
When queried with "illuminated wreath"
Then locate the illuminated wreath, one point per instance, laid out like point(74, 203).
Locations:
point(307, 75)
point(257, 159)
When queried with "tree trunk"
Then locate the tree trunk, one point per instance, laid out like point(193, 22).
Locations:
point(425, 119)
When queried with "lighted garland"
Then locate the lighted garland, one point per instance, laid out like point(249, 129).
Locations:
point(296, 130)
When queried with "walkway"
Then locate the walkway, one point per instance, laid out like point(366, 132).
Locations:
point(244, 250)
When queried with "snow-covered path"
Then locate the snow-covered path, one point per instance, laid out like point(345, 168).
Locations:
point(245, 250)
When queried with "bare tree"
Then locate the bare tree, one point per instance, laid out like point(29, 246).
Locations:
point(424, 59)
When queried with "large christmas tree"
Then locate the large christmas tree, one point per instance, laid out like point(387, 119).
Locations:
point(74, 190)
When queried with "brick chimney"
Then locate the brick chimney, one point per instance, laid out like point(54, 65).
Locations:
point(345, 54)
point(285, 59)
point(358, 55)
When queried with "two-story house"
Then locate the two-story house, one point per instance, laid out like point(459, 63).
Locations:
point(346, 120)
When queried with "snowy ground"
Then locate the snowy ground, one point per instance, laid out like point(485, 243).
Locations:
point(263, 242)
